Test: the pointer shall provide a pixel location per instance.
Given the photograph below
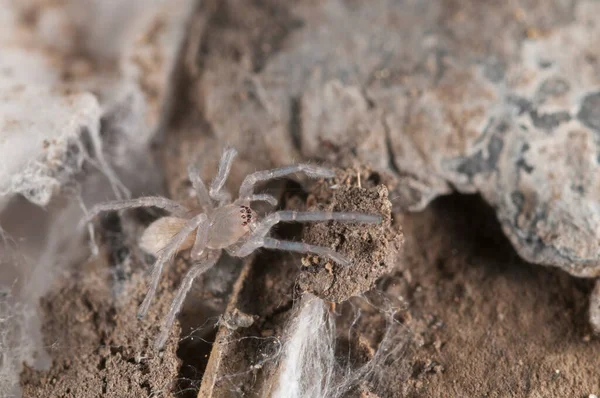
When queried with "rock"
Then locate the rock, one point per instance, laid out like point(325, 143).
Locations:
point(537, 160)
point(236, 319)
point(500, 99)
point(46, 137)
point(337, 125)
point(63, 97)
point(510, 111)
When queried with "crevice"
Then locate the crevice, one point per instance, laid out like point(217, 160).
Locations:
point(296, 122)
point(388, 145)
point(146, 386)
point(282, 309)
point(182, 78)
point(194, 355)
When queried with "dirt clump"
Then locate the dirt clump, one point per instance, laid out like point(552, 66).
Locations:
point(372, 248)
point(98, 346)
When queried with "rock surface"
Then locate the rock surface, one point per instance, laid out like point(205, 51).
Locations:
point(81, 80)
point(496, 98)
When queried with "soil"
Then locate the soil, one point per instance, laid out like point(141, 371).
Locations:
point(471, 319)
point(371, 249)
point(495, 325)
point(474, 319)
point(98, 346)
point(274, 281)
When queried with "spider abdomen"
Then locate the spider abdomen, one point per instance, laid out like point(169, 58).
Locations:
point(160, 232)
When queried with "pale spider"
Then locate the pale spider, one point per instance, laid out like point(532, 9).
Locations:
point(233, 227)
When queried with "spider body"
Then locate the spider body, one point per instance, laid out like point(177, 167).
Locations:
point(227, 225)
point(158, 234)
point(222, 225)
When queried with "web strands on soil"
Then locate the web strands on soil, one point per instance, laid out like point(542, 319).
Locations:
point(309, 367)
point(38, 265)
point(34, 270)
point(15, 346)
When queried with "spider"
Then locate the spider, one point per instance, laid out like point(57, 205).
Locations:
point(223, 225)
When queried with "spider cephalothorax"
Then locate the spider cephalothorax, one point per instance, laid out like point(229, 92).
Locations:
point(222, 225)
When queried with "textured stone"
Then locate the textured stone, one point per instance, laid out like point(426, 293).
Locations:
point(542, 148)
point(508, 107)
point(496, 98)
point(43, 150)
point(81, 80)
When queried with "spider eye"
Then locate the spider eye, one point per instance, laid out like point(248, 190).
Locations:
point(246, 214)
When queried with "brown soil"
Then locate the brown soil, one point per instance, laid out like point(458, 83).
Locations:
point(267, 291)
point(497, 326)
point(98, 346)
point(372, 249)
point(476, 321)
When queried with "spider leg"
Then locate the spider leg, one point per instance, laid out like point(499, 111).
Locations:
point(270, 199)
point(257, 238)
point(201, 240)
point(312, 216)
point(247, 187)
point(216, 187)
point(200, 188)
point(145, 201)
point(197, 269)
point(164, 256)
point(299, 247)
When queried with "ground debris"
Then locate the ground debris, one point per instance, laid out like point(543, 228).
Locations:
point(236, 319)
point(98, 346)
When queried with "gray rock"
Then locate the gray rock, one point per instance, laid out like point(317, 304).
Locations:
point(46, 138)
point(536, 162)
point(496, 98)
point(511, 111)
point(82, 82)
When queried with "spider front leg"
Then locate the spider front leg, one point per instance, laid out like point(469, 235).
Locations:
point(197, 269)
point(263, 228)
point(258, 237)
point(270, 199)
point(165, 255)
point(201, 240)
point(247, 187)
point(217, 192)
